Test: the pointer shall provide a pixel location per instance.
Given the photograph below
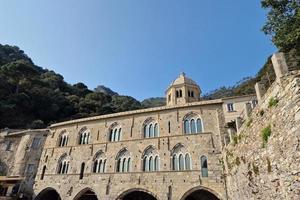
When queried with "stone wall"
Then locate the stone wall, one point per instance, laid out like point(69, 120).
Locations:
point(261, 167)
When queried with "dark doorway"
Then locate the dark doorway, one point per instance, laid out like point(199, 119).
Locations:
point(201, 195)
point(87, 195)
point(138, 195)
point(48, 194)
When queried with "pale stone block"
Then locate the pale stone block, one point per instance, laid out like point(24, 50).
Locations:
point(279, 64)
point(260, 91)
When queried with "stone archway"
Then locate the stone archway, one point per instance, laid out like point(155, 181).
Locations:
point(200, 193)
point(48, 194)
point(136, 194)
point(86, 194)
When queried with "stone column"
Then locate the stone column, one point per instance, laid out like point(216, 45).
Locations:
point(260, 91)
point(247, 109)
point(279, 64)
point(238, 123)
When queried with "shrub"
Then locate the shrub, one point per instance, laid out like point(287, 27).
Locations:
point(273, 102)
point(266, 133)
point(249, 122)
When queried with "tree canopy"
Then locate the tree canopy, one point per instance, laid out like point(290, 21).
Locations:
point(283, 23)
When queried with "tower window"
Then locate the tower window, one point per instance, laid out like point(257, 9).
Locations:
point(192, 93)
point(189, 93)
point(230, 107)
point(180, 93)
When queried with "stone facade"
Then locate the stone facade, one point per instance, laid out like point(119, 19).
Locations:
point(171, 136)
point(110, 185)
point(20, 152)
point(263, 161)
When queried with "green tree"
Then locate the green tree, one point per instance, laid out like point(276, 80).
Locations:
point(18, 73)
point(283, 23)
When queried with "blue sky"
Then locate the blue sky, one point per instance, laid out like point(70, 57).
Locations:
point(137, 47)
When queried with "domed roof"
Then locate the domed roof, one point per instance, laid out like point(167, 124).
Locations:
point(182, 79)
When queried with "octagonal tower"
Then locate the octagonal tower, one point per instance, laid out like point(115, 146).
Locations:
point(182, 90)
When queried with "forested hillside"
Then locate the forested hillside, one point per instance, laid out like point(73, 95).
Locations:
point(33, 97)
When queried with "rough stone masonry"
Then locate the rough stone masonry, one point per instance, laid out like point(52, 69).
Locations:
point(263, 161)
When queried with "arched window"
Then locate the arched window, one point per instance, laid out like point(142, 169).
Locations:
point(181, 162)
point(181, 159)
point(180, 93)
point(43, 172)
point(199, 125)
point(99, 162)
point(156, 131)
point(151, 163)
point(119, 165)
point(192, 93)
point(63, 139)
point(192, 124)
point(128, 164)
point(156, 163)
point(151, 128)
point(115, 133)
point(175, 162)
point(187, 162)
point(123, 161)
point(63, 164)
point(177, 93)
point(82, 170)
point(204, 168)
point(150, 159)
point(84, 136)
point(146, 132)
point(186, 127)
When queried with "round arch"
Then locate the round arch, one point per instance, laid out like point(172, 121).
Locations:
point(86, 194)
point(137, 194)
point(201, 193)
point(48, 194)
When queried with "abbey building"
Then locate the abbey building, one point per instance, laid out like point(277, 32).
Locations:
point(163, 153)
